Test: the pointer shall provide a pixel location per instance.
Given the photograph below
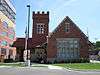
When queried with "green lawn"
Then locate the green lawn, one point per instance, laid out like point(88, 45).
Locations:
point(12, 64)
point(82, 66)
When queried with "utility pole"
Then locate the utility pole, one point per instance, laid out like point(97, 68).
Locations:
point(28, 54)
point(28, 18)
point(25, 52)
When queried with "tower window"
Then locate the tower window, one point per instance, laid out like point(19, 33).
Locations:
point(67, 27)
point(40, 28)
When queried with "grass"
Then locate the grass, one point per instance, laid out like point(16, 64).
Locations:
point(12, 64)
point(77, 66)
point(81, 66)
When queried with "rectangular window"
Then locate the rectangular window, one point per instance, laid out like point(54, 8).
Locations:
point(40, 28)
point(67, 27)
point(3, 51)
point(5, 24)
point(11, 36)
point(4, 34)
point(11, 30)
point(67, 48)
point(7, 10)
point(4, 43)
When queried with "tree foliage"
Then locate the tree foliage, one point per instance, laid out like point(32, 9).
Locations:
point(97, 45)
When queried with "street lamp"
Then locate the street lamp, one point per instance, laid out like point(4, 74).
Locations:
point(28, 18)
point(28, 58)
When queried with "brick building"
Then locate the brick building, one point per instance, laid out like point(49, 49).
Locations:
point(7, 30)
point(66, 42)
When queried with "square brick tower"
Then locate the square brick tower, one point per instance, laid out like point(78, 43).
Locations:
point(40, 28)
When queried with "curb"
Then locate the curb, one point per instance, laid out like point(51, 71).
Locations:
point(6, 66)
point(55, 67)
point(82, 70)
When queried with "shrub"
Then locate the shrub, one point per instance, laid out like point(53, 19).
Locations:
point(8, 60)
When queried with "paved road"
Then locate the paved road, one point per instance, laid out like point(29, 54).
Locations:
point(42, 71)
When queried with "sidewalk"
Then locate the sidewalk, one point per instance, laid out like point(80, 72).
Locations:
point(34, 65)
point(94, 61)
point(49, 66)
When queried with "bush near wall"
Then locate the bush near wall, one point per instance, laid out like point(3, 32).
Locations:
point(8, 61)
point(81, 60)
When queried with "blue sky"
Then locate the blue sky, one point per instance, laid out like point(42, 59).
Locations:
point(85, 13)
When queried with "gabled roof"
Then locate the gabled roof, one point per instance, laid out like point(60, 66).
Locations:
point(67, 18)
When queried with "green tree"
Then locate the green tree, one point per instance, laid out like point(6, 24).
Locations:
point(97, 45)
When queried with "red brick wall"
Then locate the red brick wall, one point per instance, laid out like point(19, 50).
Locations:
point(38, 39)
point(20, 43)
point(74, 32)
